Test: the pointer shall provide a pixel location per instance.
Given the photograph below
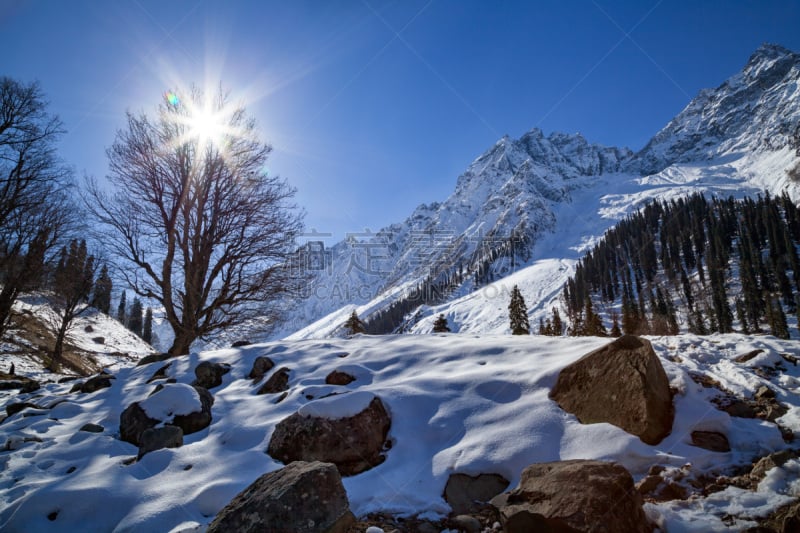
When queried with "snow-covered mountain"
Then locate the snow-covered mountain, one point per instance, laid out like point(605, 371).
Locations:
point(530, 207)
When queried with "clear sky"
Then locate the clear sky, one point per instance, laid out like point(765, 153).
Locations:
point(372, 106)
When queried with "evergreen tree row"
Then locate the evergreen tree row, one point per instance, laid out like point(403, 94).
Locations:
point(695, 263)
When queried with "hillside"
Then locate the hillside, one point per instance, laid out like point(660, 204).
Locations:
point(458, 403)
point(95, 341)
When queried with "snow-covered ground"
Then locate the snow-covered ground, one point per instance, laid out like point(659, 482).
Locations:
point(459, 403)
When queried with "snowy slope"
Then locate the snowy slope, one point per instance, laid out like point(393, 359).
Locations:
point(97, 336)
point(557, 195)
point(459, 403)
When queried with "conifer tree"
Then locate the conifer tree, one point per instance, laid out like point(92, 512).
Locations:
point(354, 324)
point(101, 297)
point(557, 325)
point(147, 327)
point(122, 309)
point(135, 317)
point(615, 330)
point(440, 325)
point(542, 327)
point(518, 313)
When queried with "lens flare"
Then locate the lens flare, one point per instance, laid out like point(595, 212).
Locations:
point(172, 98)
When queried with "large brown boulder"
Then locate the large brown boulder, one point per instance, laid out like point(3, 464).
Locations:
point(579, 495)
point(348, 430)
point(301, 497)
point(622, 383)
point(209, 375)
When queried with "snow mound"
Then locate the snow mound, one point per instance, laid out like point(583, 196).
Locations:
point(338, 406)
point(173, 400)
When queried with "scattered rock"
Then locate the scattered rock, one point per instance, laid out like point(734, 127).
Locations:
point(467, 494)
point(653, 487)
point(153, 358)
point(89, 329)
point(576, 494)
point(153, 439)
point(527, 522)
point(354, 444)
point(764, 393)
point(749, 355)
point(789, 358)
point(132, 423)
point(711, 440)
point(92, 428)
point(622, 383)
point(24, 384)
point(239, 344)
point(277, 382)
point(466, 523)
point(261, 366)
point(94, 383)
point(209, 375)
point(337, 377)
point(303, 497)
point(14, 408)
point(161, 373)
point(134, 420)
point(99, 340)
point(197, 420)
point(765, 464)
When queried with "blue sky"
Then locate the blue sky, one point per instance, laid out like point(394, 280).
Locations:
point(373, 107)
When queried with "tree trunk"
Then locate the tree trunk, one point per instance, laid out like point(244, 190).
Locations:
point(183, 341)
point(7, 297)
point(62, 333)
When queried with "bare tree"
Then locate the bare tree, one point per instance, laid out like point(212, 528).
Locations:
point(36, 211)
point(73, 281)
point(198, 224)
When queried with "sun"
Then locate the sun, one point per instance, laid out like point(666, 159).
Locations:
point(207, 121)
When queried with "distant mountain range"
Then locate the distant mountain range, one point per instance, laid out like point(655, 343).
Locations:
point(526, 210)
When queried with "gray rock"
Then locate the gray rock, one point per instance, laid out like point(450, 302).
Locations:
point(153, 439)
point(277, 382)
point(94, 383)
point(132, 423)
point(622, 383)
point(153, 358)
point(261, 366)
point(198, 420)
point(578, 494)
point(14, 408)
point(466, 523)
point(209, 375)
point(301, 497)
point(354, 444)
point(92, 428)
point(468, 494)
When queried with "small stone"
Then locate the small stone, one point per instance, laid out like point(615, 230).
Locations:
point(153, 439)
point(338, 377)
point(92, 428)
point(467, 523)
point(656, 470)
point(711, 440)
point(261, 366)
point(277, 382)
point(764, 392)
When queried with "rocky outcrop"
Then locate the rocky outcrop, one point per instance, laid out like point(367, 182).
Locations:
point(153, 439)
point(209, 375)
point(622, 383)
point(277, 382)
point(574, 495)
point(468, 494)
point(353, 443)
point(302, 497)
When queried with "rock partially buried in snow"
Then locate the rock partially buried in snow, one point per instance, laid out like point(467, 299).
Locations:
point(303, 497)
point(581, 495)
point(277, 382)
point(337, 377)
point(711, 440)
point(175, 404)
point(261, 366)
point(94, 383)
point(153, 439)
point(209, 375)
point(622, 383)
point(348, 430)
point(467, 494)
